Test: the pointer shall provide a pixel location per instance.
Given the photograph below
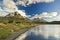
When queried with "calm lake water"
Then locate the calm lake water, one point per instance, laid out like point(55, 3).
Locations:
point(42, 32)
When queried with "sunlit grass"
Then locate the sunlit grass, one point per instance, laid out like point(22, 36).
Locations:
point(10, 25)
point(10, 28)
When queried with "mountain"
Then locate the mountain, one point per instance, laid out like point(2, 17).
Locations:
point(39, 20)
point(12, 23)
point(15, 17)
point(15, 14)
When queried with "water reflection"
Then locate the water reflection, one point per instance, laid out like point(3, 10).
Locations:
point(38, 37)
point(42, 32)
point(34, 37)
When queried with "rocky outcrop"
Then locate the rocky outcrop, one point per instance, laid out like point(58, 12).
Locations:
point(15, 14)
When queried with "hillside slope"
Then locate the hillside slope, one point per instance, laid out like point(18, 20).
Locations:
point(12, 24)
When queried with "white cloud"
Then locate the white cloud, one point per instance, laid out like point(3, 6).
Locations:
point(45, 15)
point(22, 13)
point(9, 6)
point(52, 16)
point(2, 12)
point(0, 9)
point(27, 2)
point(56, 18)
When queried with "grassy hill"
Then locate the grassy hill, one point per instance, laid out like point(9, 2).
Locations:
point(12, 24)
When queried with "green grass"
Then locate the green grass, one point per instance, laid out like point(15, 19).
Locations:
point(12, 25)
point(9, 29)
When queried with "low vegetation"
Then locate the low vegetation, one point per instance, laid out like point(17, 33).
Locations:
point(10, 25)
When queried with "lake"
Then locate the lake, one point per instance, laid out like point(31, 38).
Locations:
point(41, 32)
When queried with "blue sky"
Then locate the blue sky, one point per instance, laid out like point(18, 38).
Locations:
point(39, 8)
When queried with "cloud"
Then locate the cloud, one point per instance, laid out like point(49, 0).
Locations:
point(45, 15)
point(9, 6)
point(0, 9)
point(2, 12)
point(27, 2)
point(52, 16)
point(22, 13)
point(56, 18)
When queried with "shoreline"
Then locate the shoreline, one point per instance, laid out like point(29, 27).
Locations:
point(17, 34)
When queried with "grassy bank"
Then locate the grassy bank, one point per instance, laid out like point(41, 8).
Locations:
point(12, 25)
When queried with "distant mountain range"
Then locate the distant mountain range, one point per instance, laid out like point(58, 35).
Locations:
point(42, 21)
point(19, 16)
